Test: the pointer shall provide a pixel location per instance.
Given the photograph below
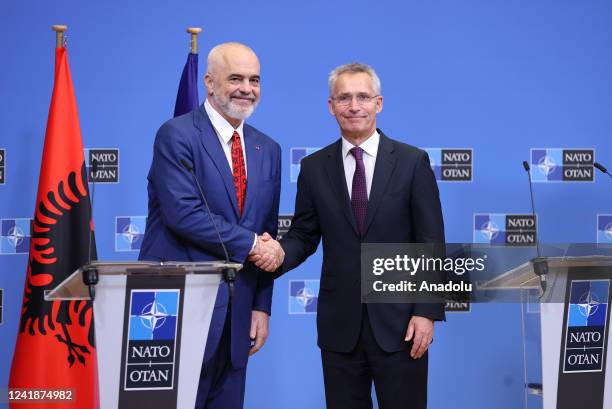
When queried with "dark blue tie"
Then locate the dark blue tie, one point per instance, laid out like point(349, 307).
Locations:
point(359, 194)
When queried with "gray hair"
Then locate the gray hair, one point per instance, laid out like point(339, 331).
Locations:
point(353, 68)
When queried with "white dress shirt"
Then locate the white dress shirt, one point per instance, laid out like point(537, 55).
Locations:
point(370, 150)
point(225, 131)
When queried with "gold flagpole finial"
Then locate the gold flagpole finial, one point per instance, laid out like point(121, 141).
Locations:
point(194, 31)
point(59, 34)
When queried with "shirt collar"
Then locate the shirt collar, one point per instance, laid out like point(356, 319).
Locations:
point(224, 129)
point(369, 146)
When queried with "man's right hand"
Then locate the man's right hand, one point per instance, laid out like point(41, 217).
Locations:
point(267, 254)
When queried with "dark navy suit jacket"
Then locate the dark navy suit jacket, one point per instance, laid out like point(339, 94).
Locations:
point(179, 228)
point(403, 207)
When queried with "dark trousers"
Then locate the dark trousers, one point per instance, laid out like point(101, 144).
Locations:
point(221, 386)
point(399, 380)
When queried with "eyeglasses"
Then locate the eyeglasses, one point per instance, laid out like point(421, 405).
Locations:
point(346, 99)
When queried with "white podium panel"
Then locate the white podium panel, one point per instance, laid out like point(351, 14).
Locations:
point(151, 324)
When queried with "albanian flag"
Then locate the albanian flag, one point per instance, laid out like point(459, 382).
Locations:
point(187, 95)
point(55, 346)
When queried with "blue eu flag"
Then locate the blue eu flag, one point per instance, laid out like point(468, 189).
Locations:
point(187, 95)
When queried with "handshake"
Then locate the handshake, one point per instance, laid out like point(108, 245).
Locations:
point(267, 253)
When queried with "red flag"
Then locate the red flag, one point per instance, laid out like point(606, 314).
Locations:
point(55, 345)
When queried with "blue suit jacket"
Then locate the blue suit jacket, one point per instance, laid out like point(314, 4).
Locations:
point(179, 228)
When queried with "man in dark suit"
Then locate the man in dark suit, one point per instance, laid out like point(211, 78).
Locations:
point(364, 188)
point(239, 170)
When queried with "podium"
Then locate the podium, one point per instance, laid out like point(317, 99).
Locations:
point(151, 324)
point(565, 330)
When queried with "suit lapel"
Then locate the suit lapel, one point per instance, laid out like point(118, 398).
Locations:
point(335, 171)
point(210, 142)
point(385, 163)
point(254, 161)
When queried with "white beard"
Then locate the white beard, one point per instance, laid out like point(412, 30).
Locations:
point(233, 110)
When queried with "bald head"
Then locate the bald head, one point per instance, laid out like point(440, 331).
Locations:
point(225, 54)
point(232, 81)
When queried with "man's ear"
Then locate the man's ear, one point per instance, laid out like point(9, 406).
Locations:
point(379, 104)
point(208, 83)
point(330, 105)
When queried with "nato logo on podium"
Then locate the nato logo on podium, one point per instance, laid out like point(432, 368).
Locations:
point(586, 326)
point(151, 341)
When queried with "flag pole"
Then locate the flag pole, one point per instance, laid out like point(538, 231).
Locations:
point(59, 35)
point(194, 31)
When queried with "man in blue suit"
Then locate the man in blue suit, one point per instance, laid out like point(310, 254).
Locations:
point(364, 188)
point(239, 170)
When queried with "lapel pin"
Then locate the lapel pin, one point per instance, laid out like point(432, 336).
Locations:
point(257, 147)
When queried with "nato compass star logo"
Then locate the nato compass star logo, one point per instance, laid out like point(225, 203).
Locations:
point(303, 296)
point(150, 345)
point(129, 232)
point(588, 304)
point(604, 228)
point(153, 315)
point(586, 322)
point(297, 154)
point(588, 301)
point(547, 165)
point(489, 230)
point(506, 229)
point(451, 164)
point(15, 236)
point(561, 165)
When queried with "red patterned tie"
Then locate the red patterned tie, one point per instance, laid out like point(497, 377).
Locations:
point(239, 171)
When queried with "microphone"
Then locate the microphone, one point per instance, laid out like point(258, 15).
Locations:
point(229, 274)
point(90, 275)
point(540, 265)
point(602, 168)
point(94, 166)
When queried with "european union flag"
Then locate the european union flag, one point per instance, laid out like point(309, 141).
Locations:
point(187, 95)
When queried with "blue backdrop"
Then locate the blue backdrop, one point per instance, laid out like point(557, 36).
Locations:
point(494, 76)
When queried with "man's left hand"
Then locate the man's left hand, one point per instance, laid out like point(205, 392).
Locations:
point(259, 330)
point(420, 330)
